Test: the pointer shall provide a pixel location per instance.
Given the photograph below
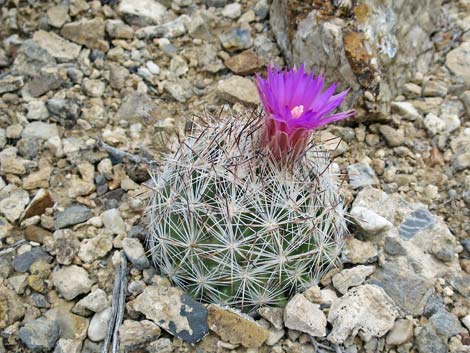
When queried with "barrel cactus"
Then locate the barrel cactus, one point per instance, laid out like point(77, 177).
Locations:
point(247, 211)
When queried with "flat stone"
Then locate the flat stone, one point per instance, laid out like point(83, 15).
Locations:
point(11, 83)
point(142, 12)
point(238, 89)
point(236, 328)
point(369, 221)
point(38, 204)
point(173, 311)
point(136, 106)
point(458, 61)
point(460, 281)
point(245, 63)
point(137, 334)
point(304, 316)
point(446, 323)
point(86, 32)
point(135, 252)
point(351, 277)
point(428, 341)
point(409, 291)
point(401, 332)
point(39, 129)
point(367, 309)
point(39, 335)
point(58, 47)
point(57, 16)
point(360, 175)
point(99, 325)
point(72, 215)
point(415, 222)
point(71, 281)
point(23, 262)
point(359, 252)
point(118, 29)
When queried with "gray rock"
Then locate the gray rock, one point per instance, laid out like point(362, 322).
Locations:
point(135, 107)
point(428, 341)
point(142, 12)
point(446, 324)
point(457, 61)
point(434, 305)
point(366, 309)
point(99, 324)
point(39, 335)
point(261, 9)
point(215, 3)
point(39, 129)
point(92, 249)
point(135, 334)
point(360, 175)
point(71, 281)
point(57, 15)
point(304, 316)
point(171, 29)
point(173, 311)
point(11, 83)
point(460, 282)
point(93, 88)
point(72, 215)
point(112, 220)
point(351, 277)
point(236, 39)
point(117, 75)
point(409, 291)
point(444, 249)
point(393, 137)
point(56, 46)
point(405, 110)
point(273, 315)
point(135, 252)
point(208, 59)
point(461, 161)
point(32, 58)
point(232, 10)
point(415, 222)
point(393, 247)
point(67, 110)
point(118, 29)
point(180, 90)
point(23, 262)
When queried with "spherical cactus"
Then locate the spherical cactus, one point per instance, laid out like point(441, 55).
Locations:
point(232, 221)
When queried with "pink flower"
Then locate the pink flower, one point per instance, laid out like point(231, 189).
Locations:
point(295, 104)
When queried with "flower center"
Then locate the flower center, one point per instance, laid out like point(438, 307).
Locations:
point(297, 111)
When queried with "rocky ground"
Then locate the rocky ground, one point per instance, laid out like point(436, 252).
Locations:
point(84, 82)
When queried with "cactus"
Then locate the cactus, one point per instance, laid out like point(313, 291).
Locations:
point(232, 223)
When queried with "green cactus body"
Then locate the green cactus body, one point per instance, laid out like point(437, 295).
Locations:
point(229, 226)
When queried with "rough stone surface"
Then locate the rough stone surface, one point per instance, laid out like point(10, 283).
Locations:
point(173, 311)
point(428, 341)
point(235, 328)
point(58, 47)
point(361, 175)
point(40, 334)
point(112, 220)
point(458, 61)
point(135, 334)
point(369, 221)
point(304, 316)
point(71, 281)
point(366, 309)
point(238, 89)
point(135, 252)
point(142, 12)
point(72, 215)
point(351, 277)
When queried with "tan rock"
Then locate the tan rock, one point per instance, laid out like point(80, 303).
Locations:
point(236, 328)
point(401, 332)
point(238, 89)
point(245, 63)
point(38, 204)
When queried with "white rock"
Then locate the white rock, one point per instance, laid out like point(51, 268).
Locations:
point(452, 122)
point(40, 130)
point(233, 10)
point(112, 221)
point(71, 281)
point(434, 124)
point(401, 332)
point(37, 110)
point(13, 202)
point(304, 316)
point(466, 321)
point(406, 110)
point(68, 346)
point(99, 325)
point(366, 309)
point(369, 221)
point(142, 12)
point(96, 301)
point(351, 277)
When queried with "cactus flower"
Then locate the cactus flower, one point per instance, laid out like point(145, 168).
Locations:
point(295, 104)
